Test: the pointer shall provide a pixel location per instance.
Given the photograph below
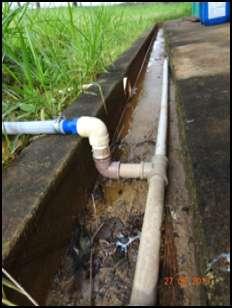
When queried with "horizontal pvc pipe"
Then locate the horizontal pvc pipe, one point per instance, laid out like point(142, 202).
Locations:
point(96, 131)
point(116, 170)
point(144, 290)
point(141, 170)
point(30, 127)
point(58, 126)
point(134, 170)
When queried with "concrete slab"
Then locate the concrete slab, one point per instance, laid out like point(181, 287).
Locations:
point(197, 50)
point(199, 59)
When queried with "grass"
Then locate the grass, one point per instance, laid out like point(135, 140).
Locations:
point(48, 54)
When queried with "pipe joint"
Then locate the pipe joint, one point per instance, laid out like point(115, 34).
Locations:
point(107, 168)
point(160, 163)
point(96, 130)
point(66, 126)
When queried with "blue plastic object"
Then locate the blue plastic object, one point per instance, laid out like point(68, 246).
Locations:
point(214, 13)
point(69, 126)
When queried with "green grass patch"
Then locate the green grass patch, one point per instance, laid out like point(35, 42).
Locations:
point(48, 54)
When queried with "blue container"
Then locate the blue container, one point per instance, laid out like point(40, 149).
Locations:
point(214, 13)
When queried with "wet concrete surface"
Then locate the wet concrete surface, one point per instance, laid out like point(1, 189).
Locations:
point(117, 207)
point(199, 58)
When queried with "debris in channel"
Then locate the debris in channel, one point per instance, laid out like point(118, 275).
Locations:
point(123, 242)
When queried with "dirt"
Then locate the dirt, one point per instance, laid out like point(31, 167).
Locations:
point(118, 211)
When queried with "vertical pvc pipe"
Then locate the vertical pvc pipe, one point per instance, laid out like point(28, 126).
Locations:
point(144, 289)
point(162, 128)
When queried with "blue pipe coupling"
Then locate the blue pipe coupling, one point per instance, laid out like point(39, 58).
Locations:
point(68, 126)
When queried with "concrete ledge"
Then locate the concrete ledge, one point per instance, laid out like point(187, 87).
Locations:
point(200, 66)
point(45, 189)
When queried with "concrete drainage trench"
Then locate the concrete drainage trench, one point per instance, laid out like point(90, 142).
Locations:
point(97, 268)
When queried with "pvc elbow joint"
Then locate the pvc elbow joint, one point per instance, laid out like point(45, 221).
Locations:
point(107, 168)
point(97, 132)
point(90, 127)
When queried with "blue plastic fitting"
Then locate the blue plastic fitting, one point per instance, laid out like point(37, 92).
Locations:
point(69, 126)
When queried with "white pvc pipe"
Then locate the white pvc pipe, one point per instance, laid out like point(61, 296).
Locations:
point(144, 290)
point(140, 170)
point(162, 128)
point(92, 128)
point(147, 266)
point(30, 127)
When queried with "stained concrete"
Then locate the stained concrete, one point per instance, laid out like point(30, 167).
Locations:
point(199, 59)
point(198, 50)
